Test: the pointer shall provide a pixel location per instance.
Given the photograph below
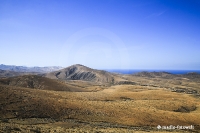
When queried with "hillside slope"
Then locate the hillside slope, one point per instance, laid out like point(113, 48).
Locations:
point(117, 106)
point(7, 73)
point(80, 72)
point(39, 82)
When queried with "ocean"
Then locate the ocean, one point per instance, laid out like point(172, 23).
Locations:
point(133, 71)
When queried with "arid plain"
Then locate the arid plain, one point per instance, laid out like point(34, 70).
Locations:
point(81, 99)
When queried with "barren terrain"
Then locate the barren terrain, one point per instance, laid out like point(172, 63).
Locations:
point(38, 104)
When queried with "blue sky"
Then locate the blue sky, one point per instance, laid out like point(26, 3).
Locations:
point(102, 34)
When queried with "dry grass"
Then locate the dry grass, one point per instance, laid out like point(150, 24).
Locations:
point(57, 127)
point(116, 108)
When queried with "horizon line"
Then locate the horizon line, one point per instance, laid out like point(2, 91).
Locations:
point(108, 68)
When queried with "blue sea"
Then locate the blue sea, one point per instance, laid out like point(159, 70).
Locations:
point(133, 71)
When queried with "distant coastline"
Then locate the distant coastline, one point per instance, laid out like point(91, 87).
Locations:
point(120, 71)
point(133, 71)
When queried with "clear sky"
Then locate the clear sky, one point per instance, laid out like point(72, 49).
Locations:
point(101, 34)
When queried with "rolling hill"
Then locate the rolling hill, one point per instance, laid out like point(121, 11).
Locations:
point(82, 99)
point(39, 82)
point(8, 73)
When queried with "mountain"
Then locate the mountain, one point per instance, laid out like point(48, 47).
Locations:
point(29, 69)
point(7, 73)
point(80, 72)
point(166, 75)
point(39, 82)
point(154, 74)
point(192, 75)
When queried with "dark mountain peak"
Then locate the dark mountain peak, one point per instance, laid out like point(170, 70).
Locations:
point(80, 66)
point(77, 67)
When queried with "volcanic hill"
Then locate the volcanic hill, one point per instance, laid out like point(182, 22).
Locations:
point(81, 99)
point(81, 72)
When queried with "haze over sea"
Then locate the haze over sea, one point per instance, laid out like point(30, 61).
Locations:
point(132, 71)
